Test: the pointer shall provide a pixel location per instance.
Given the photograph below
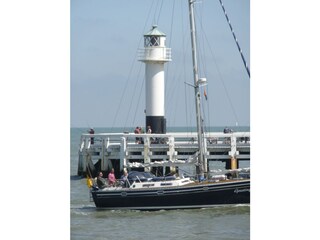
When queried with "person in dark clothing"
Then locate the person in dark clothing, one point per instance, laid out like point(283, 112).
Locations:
point(227, 130)
point(101, 181)
point(91, 131)
point(124, 179)
point(137, 131)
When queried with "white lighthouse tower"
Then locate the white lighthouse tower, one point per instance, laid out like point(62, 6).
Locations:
point(155, 55)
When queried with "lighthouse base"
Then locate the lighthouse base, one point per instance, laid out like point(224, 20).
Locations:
point(157, 123)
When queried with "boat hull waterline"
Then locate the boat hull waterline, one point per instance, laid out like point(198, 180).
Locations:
point(185, 197)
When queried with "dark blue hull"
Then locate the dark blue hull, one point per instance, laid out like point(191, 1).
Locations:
point(192, 196)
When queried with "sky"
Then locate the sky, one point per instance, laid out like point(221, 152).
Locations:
point(107, 80)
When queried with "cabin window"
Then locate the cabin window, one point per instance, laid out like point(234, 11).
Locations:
point(166, 184)
point(147, 185)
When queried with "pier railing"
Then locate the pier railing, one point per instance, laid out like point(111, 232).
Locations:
point(171, 149)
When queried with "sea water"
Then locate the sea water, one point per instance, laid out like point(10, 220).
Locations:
point(87, 222)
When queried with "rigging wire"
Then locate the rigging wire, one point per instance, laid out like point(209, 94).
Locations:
point(188, 115)
point(133, 94)
point(131, 69)
point(221, 80)
point(159, 12)
point(201, 62)
point(123, 93)
point(154, 14)
point(143, 82)
point(218, 70)
point(137, 106)
point(174, 82)
point(202, 65)
point(168, 65)
point(235, 38)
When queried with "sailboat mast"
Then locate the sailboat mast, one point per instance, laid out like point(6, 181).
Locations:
point(200, 166)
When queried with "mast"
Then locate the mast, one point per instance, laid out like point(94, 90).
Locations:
point(200, 166)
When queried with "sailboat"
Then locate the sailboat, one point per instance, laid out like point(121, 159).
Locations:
point(145, 191)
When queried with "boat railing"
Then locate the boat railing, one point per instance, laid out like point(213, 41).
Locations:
point(138, 178)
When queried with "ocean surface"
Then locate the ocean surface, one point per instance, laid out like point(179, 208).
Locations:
point(87, 222)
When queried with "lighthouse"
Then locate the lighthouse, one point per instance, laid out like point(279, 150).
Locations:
point(155, 55)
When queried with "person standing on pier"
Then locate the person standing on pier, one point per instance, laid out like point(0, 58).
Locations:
point(137, 131)
point(91, 131)
point(141, 132)
point(149, 131)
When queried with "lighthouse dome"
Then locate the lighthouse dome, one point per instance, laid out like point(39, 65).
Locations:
point(155, 32)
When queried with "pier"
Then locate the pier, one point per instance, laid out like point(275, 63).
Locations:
point(103, 151)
